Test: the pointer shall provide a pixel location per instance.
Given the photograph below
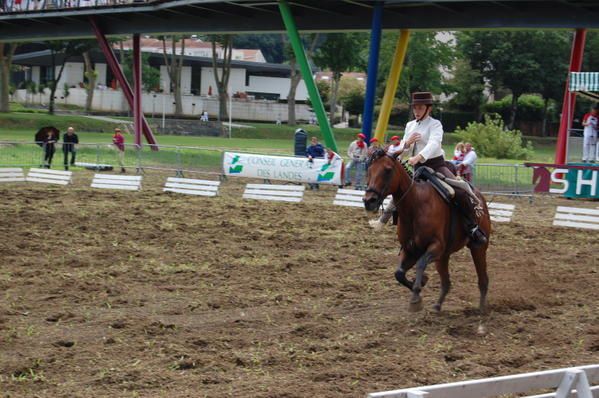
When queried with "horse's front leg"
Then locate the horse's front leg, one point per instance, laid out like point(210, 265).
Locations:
point(431, 255)
point(406, 262)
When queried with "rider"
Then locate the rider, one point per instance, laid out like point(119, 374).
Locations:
point(422, 143)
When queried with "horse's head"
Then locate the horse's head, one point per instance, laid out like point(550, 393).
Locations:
point(381, 179)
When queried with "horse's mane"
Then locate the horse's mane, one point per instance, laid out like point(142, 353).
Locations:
point(378, 153)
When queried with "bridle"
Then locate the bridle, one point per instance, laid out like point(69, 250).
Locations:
point(379, 194)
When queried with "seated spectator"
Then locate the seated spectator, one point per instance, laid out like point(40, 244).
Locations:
point(465, 168)
point(315, 150)
point(458, 153)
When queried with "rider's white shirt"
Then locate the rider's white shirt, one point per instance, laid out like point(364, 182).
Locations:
point(431, 136)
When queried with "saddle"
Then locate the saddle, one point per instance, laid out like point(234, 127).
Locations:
point(445, 186)
point(438, 181)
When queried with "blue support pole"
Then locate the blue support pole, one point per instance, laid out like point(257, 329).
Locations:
point(373, 66)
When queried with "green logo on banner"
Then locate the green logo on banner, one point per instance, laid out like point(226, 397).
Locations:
point(326, 176)
point(237, 169)
point(325, 166)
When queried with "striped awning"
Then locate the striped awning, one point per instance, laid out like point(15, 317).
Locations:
point(585, 83)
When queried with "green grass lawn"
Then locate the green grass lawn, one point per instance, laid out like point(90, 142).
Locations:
point(260, 138)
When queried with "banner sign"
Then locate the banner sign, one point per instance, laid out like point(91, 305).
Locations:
point(571, 180)
point(285, 168)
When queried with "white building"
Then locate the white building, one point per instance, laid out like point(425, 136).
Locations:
point(253, 84)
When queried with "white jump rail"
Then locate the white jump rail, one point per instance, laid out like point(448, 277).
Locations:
point(501, 212)
point(48, 176)
point(190, 186)
point(279, 193)
point(576, 217)
point(12, 175)
point(112, 181)
point(583, 379)
point(353, 198)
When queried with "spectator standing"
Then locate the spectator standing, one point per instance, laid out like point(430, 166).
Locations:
point(374, 143)
point(119, 141)
point(465, 168)
point(49, 148)
point(357, 152)
point(69, 140)
point(394, 146)
point(590, 122)
point(314, 151)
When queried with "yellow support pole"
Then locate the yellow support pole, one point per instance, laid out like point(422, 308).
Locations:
point(392, 83)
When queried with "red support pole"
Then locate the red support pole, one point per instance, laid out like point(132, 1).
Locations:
point(569, 98)
point(115, 67)
point(137, 111)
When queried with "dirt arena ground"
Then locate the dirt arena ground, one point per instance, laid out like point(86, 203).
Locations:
point(119, 294)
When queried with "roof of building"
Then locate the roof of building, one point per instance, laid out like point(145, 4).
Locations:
point(237, 16)
point(44, 58)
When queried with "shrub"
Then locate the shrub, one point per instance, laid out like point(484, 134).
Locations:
point(353, 101)
point(491, 139)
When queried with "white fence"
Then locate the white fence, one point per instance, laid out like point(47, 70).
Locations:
point(576, 217)
point(563, 381)
point(155, 104)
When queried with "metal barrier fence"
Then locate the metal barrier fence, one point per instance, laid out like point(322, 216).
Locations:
point(503, 179)
point(178, 159)
point(574, 146)
point(499, 179)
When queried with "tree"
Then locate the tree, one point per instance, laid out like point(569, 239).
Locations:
point(150, 76)
point(553, 53)
point(468, 86)
point(222, 80)
point(174, 66)
point(7, 51)
point(353, 101)
point(68, 49)
point(505, 58)
point(296, 76)
point(427, 56)
point(340, 52)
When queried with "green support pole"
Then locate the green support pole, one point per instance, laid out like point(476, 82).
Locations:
point(300, 55)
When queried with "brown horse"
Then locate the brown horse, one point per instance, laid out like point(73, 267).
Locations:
point(429, 230)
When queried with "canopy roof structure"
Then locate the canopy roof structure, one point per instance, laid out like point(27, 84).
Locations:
point(215, 16)
point(585, 83)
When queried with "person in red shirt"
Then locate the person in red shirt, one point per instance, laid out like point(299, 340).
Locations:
point(119, 141)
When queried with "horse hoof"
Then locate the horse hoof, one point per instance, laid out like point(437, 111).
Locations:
point(437, 307)
point(481, 331)
point(415, 306)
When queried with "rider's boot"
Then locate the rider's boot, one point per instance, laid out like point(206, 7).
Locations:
point(476, 235)
point(472, 212)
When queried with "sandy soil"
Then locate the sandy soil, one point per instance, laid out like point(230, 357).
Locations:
point(147, 294)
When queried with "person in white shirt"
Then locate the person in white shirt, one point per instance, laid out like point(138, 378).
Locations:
point(465, 167)
point(394, 147)
point(422, 143)
point(357, 152)
point(590, 123)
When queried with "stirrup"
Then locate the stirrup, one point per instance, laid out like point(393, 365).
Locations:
point(477, 236)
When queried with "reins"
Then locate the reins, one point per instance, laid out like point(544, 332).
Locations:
point(388, 183)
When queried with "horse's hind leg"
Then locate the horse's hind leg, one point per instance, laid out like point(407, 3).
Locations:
point(443, 270)
point(479, 255)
